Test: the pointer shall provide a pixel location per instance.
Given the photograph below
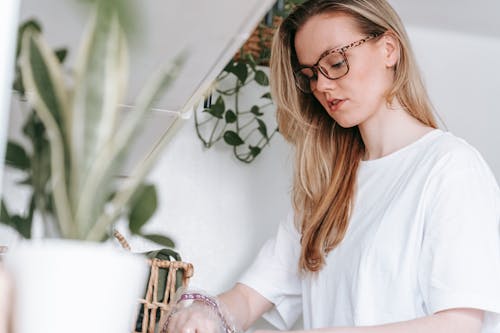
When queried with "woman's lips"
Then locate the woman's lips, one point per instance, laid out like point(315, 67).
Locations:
point(335, 104)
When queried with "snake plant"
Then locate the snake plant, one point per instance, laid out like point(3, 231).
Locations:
point(88, 136)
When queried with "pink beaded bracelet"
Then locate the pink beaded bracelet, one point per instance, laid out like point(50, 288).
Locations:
point(207, 300)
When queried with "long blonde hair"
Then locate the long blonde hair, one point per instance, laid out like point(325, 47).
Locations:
point(327, 156)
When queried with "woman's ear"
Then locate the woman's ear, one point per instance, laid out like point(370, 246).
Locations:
point(391, 48)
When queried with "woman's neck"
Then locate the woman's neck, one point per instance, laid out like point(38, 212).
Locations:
point(391, 129)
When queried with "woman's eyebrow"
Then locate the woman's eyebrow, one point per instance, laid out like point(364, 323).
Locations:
point(327, 51)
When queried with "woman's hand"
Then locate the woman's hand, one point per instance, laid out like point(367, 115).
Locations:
point(233, 311)
point(196, 318)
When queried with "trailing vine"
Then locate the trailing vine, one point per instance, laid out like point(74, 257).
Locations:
point(247, 129)
point(244, 129)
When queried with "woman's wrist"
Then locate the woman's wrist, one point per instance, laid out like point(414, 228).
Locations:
point(212, 302)
point(187, 299)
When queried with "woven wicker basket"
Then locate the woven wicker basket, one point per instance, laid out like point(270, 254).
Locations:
point(154, 311)
point(151, 305)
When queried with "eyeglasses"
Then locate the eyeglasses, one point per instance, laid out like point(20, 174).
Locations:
point(332, 64)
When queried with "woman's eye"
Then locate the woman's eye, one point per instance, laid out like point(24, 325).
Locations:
point(338, 64)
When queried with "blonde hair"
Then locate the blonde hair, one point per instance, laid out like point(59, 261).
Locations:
point(327, 156)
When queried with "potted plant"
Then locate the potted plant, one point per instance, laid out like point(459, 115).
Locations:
point(239, 112)
point(73, 281)
point(33, 162)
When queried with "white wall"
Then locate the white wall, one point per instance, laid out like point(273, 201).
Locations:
point(463, 78)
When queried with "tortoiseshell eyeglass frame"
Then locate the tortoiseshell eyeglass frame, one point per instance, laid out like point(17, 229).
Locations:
point(315, 68)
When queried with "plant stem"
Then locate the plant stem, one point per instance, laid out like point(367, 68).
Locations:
point(213, 131)
point(267, 139)
point(247, 124)
point(236, 106)
point(266, 105)
point(228, 92)
point(241, 159)
point(198, 133)
point(205, 121)
point(249, 134)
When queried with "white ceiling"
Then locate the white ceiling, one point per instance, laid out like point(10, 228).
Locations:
point(210, 31)
point(470, 16)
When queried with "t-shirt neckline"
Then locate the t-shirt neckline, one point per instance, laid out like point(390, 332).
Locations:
point(424, 138)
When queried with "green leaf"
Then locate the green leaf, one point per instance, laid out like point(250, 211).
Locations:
point(31, 24)
point(32, 208)
point(261, 78)
point(230, 117)
point(126, 12)
point(160, 239)
point(251, 61)
point(229, 66)
point(254, 150)
point(101, 77)
point(16, 156)
point(164, 254)
point(232, 138)
point(61, 54)
point(35, 130)
point(157, 85)
point(143, 207)
point(256, 111)
point(22, 225)
point(262, 128)
point(43, 78)
point(18, 84)
point(213, 112)
point(217, 109)
point(4, 213)
point(219, 104)
point(41, 169)
point(46, 76)
point(266, 95)
point(240, 69)
point(28, 25)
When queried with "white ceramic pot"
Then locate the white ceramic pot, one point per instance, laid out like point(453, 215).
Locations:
point(73, 286)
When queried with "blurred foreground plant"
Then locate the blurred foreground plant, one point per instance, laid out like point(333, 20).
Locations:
point(79, 138)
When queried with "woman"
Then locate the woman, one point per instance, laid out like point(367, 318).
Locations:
point(396, 223)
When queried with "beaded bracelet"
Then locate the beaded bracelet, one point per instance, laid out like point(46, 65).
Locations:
point(207, 300)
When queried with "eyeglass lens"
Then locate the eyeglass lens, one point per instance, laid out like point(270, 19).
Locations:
point(333, 66)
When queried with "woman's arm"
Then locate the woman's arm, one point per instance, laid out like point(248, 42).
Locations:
point(240, 307)
point(455, 320)
point(245, 305)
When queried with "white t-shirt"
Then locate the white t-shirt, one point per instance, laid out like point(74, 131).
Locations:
point(424, 236)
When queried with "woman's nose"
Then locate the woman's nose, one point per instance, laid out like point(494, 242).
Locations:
point(324, 84)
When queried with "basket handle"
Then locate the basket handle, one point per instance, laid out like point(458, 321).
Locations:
point(121, 239)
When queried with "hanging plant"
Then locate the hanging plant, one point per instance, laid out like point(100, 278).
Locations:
point(225, 117)
point(244, 129)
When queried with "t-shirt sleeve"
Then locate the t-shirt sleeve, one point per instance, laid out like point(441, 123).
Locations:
point(460, 259)
point(274, 274)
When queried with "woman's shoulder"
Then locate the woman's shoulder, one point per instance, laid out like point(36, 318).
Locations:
point(452, 150)
point(451, 154)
